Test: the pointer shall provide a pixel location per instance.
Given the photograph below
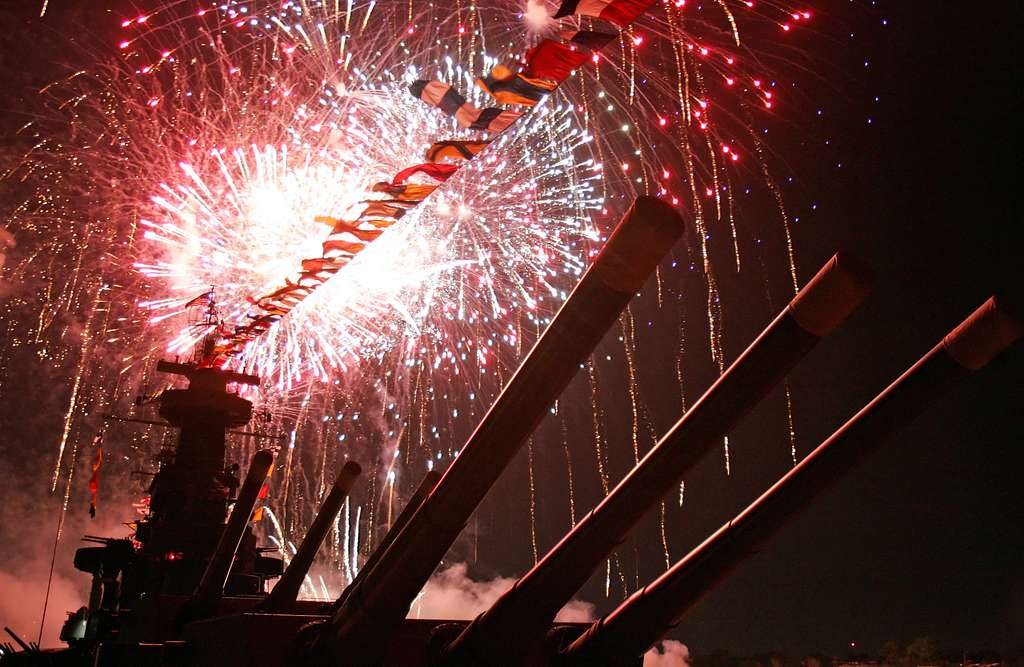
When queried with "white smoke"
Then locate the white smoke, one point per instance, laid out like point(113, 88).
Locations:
point(671, 654)
point(21, 604)
point(452, 594)
point(27, 524)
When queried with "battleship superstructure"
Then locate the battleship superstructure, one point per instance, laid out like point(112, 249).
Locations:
point(195, 590)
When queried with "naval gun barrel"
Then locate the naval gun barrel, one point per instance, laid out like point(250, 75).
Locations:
point(427, 485)
point(287, 588)
point(645, 617)
point(21, 642)
point(211, 586)
point(359, 629)
point(522, 615)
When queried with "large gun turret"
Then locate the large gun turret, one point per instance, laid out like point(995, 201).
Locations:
point(359, 628)
point(522, 616)
point(427, 485)
point(211, 586)
point(651, 612)
point(287, 588)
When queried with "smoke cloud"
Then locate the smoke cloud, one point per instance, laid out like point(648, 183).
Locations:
point(21, 604)
point(27, 531)
point(670, 654)
point(452, 594)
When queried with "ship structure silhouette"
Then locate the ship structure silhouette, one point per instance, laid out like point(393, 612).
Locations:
point(193, 588)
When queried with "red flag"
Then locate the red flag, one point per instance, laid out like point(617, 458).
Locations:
point(410, 192)
point(94, 479)
point(455, 150)
point(508, 87)
point(346, 226)
point(288, 288)
point(263, 495)
point(619, 12)
point(323, 264)
point(452, 103)
point(438, 172)
point(382, 210)
point(342, 246)
point(553, 61)
point(205, 299)
point(588, 39)
point(274, 308)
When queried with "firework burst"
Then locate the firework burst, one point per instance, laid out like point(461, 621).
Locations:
point(204, 152)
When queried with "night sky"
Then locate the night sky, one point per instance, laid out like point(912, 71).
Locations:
point(926, 538)
point(912, 165)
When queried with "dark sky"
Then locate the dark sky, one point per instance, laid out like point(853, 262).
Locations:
point(927, 538)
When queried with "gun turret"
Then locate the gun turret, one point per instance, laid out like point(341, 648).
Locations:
point(360, 627)
point(427, 485)
point(287, 588)
point(645, 617)
point(521, 617)
point(211, 586)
